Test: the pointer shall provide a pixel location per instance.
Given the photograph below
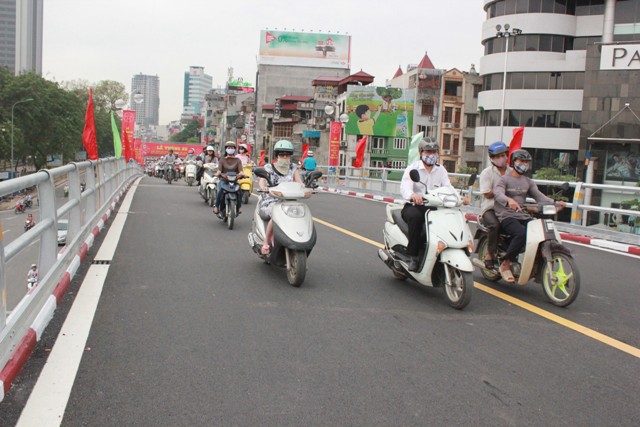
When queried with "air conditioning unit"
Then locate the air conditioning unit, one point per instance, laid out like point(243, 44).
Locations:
point(431, 118)
point(446, 152)
point(447, 125)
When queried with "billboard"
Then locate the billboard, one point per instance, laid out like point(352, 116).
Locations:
point(305, 49)
point(622, 166)
point(380, 111)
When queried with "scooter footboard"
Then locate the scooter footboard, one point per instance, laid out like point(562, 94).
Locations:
point(457, 258)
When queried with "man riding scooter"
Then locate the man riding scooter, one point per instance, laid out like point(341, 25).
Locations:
point(229, 163)
point(309, 165)
point(432, 175)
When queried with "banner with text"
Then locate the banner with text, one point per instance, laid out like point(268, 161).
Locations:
point(305, 49)
point(128, 128)
point(334, 143)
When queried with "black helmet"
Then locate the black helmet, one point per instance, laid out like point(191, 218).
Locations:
point(427, 144)
point(519, 155)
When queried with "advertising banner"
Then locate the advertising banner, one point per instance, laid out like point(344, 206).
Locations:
point(160, 149)
point(380, 111)
point(128, 128)
point(620, 57)
point(334, 143)
point(622, 166)
point(137, 151)
point(305, 49)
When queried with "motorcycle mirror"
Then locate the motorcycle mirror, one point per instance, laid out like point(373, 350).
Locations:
point(261, 173)
point(564, 186)
point(472, 179)
point(414, 175)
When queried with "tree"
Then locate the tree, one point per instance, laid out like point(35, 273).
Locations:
point(107, 92)
point(190, 131)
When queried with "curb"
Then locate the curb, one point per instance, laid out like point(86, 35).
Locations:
point(28, 343)
point(600, 243)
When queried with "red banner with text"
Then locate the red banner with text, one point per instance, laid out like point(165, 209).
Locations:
point(160, 149)
point(335, 132)
point(128, 128)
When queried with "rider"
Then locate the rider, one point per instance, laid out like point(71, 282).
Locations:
point(510, 193)
point(281, 170)
point(488, 179)
point(229, 163)
point(32, 276)
point(168, 160)
point(243, 154)
point(208, 156)
point(190, 155)
point(308, 164)
point(30, 219)
point(433, 176)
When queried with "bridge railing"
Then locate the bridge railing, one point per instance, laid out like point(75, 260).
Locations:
point(377, 181)
point(104, 179)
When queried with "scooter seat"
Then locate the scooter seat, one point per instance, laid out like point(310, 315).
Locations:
point(397, 218)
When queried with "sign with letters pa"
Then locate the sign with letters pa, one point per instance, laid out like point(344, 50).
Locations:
point(620, 57)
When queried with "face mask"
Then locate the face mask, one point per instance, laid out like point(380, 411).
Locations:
point(429, 159)
point(230, 151)
point(282, 164)
point(521, 167)
point(499, 162)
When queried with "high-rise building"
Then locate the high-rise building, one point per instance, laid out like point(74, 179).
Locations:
point(8, 34)
point(197, 85)
point(147, 111)
point(28, 36)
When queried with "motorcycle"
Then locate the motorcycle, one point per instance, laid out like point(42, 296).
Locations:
point(32, 282)
point(231, 191)
point(179, 171)
point(294, 234)
point(444, 261)
point(246, 183)
point(28, 201)
point(170, 173)
point(20, 207)
point(209, 183)
point(544, 257)
point(29, 224)
point(190, 172)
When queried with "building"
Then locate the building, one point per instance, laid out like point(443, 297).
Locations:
point(197, 85)
point(572, 69)
point(8, 34)
point(28, 36)
point(148, 110)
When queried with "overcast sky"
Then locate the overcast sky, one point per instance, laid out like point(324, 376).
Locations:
point(114, 39)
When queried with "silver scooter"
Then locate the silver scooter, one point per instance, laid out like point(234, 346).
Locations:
point(445, 259)
point(294, 234)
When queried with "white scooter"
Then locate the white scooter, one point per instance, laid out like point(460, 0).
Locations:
point(445, 261)
point(190, 172)
point(294, 234)
point(208, 183)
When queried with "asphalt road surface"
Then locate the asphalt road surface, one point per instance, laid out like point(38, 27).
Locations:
point(193, 329)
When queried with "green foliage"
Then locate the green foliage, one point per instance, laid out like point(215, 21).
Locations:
point(461, 182)
point(556, 172)
point(393, 92)
point(190, 131)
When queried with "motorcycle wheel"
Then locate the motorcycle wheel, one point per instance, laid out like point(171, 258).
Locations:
point(492, 275)
point(297, 268)
point(212, 197)
point(231, 213)
point(190, 182)
point(245, 197)
point(562, 284)
point(459, 291)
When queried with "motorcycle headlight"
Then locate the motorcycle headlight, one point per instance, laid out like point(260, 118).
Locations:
point(450, 201)
point(294, 211)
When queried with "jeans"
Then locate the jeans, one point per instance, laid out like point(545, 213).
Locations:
point(517, 229)
point(491, 221)
point(414, 217)
point(220, 195)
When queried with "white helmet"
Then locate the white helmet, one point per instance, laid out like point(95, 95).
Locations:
point(33, 265)
point(310, 153)
point(209, 148)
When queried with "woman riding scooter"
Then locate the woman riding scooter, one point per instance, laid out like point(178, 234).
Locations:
point(229, 163)
point(280, 170)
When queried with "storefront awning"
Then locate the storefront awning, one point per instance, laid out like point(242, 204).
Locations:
point(311, 134)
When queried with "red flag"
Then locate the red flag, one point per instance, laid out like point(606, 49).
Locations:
point(127, 146)
point(360, 146)
point(305, 148)
point(516, 142)
point(262, 154)
point(89, 133)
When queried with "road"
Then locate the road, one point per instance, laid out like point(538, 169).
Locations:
point(193, 329)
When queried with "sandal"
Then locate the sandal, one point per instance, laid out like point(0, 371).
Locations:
point(216, 211)
point(507, 275)
point(488, 264)
point(265, 249)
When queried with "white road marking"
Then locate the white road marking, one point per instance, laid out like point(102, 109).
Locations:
point(48, 400)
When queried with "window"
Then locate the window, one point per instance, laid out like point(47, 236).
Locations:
point(471, 120)
point(476, 90)
point(377, 143)
point(449, 165)
point(427, 109)
point(446, 141)
point(474, 165)
point(422, 129)
point(469, 145)
point(448, 115)
point(456, 144)
point(400, 143)
point(398, 164)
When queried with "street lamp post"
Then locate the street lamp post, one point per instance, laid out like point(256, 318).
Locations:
point(12, 108)
point(506, 33)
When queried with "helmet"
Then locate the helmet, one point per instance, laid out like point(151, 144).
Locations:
point(498, 148)
point(428, 144)
point(191, 151)
point(310, 153)
point(243, 146)
point(283, 146)
point(33, 265)
point(229, 144)
point(519, 155)
point(209, 148)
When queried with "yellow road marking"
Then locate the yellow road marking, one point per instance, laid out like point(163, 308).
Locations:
point(612, 342)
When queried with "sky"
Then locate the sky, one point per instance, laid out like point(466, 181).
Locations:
point(96, 40)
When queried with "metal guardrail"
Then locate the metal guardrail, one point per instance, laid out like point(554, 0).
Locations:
point(104, 179)
point(376, 181)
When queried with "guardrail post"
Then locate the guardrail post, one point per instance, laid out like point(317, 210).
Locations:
point(49, 238)
point(3, 284)
point(576, 210)
point(74, 194)
point(90, 179)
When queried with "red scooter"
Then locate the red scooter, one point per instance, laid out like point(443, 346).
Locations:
point(20, 207)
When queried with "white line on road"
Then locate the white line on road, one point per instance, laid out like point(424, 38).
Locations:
point(48, 400)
